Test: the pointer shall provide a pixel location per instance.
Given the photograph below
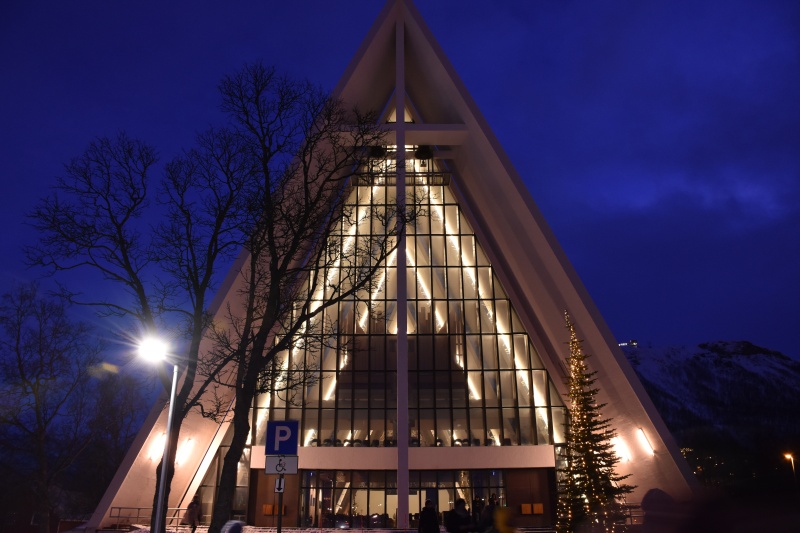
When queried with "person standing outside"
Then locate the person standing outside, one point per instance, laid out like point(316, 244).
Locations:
point(192, 516)
point(428, 519)
point(486, 524)
point(458, 520)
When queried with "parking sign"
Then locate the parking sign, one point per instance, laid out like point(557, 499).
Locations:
point(282, 437)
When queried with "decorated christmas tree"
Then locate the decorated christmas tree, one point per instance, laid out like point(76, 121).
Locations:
point(591, 495)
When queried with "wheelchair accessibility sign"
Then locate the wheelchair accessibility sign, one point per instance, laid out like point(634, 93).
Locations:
point(281, 464)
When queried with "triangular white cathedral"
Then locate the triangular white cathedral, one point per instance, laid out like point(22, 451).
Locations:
point(469, 401)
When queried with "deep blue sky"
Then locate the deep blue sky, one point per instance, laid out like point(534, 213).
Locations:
point(660, 139)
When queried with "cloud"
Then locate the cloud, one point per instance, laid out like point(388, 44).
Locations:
point(646, 105)
point(743, 200)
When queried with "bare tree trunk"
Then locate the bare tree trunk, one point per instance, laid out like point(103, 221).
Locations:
point(223, 506)
point(42, 485)
point(42, 507)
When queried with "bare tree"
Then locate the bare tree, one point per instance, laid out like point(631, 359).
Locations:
point(308, 147)
point(45, 396)
point(97, 219)
point(273, 183)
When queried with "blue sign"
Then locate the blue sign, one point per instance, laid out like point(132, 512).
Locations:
point(282, 437)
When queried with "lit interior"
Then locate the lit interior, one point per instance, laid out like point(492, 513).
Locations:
point(431, 260)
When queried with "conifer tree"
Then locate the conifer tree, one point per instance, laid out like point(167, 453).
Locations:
point(590, 492)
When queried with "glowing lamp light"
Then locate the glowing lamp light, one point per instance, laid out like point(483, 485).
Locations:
point(790, 457)
point(621, 449)
point(644, 442)
point(157, 448)
point(156, 350)
point(329, 394)
point(184, 451)
point(153, 349)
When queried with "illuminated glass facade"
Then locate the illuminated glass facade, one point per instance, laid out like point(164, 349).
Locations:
point(474, 377)
point(367, 499)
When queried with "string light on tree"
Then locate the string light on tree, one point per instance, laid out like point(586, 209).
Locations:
point(591, 495)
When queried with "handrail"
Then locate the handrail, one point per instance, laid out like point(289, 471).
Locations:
point(126, 516)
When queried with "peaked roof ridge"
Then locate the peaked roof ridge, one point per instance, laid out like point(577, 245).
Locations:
point(378, 36)
point(378, 31)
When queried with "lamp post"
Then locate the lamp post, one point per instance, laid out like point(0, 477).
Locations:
point(790, 457)
point(156, 350)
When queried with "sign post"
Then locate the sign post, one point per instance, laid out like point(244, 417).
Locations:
point(281, 451)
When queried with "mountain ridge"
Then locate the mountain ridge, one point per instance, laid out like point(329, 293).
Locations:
point(732, 406)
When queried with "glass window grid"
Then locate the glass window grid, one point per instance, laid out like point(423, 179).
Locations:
point(209, 484)
point(367, 499)
point(318, 411)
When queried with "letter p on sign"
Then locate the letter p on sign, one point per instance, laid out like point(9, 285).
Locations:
point(282, 437)
point(282, 433)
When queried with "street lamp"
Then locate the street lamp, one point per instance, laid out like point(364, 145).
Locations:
point(155, 350)
point(794, 474)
